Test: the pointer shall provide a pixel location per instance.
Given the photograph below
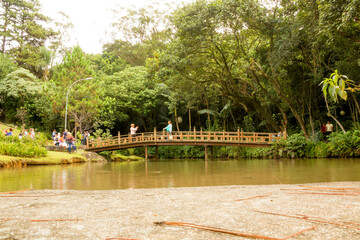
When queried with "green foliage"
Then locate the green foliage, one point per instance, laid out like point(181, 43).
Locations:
point(6, 66)
point(344, 144)
point(335, 85)
point(18, 90)
point(132, 98)
point(296, 144)
point(99, 133)
point(26, 147)
point(23, 33)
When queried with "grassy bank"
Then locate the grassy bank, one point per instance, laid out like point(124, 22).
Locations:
point(51, 158)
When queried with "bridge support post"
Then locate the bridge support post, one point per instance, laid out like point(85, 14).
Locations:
point(156, 153)
point(146, 153)
point(155, 134)
point(206, 153)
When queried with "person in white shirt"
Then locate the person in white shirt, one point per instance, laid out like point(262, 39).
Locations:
point(133, 130)
point(329, 128)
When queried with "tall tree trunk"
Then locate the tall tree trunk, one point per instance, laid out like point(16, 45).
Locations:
point(208, 115)
point(189, 119)
point(176, 121)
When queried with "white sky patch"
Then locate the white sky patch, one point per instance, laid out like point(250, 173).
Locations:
point(92, 19)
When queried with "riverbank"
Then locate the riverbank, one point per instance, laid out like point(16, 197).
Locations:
point(52, 158)
point(131, 213)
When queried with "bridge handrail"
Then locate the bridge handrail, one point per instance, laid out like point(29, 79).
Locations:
point(185, 136)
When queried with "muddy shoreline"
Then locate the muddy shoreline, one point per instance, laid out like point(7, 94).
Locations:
point(131, 213)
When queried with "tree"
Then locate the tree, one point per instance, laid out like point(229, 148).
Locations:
point(23, 33)
point(84, 98)
point(18, 88)
point(134, 99)
point(139, 34)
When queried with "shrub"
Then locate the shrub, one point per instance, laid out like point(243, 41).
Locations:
point(26, 147)
point(296, 144)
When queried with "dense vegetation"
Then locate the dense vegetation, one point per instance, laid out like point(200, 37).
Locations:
point(25, 147)
point(217, 65)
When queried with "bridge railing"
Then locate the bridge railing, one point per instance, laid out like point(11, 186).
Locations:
point(184, 136)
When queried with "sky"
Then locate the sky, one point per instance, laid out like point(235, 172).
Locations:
point(93, 18)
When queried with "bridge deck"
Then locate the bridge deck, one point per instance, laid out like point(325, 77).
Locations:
point(249, 139)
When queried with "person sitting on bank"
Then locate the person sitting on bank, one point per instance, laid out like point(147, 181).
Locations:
point(9, 133)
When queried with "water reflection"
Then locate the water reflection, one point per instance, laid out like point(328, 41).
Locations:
point(179, 173)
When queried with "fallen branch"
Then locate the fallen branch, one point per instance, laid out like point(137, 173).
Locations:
point(227, 231)
point(312, 219)
point(54, 220)
point(16, 191)
point(242, 199)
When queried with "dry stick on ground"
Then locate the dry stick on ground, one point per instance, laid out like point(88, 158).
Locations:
point(242, 199)
point(227, 231)
point(25, 190)
point(54, 220)
point(312, 219)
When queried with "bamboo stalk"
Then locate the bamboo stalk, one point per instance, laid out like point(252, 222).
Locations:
point(242, 199)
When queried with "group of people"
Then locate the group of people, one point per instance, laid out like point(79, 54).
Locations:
point(23, 133)
point(66, 140)
point(327, 129)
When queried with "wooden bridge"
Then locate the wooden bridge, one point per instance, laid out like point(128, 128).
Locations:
point(202, 138)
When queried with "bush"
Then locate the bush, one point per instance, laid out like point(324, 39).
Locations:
point(26, 147)
point(296, 144)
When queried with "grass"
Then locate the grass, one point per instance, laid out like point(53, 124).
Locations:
point(51, 158)
point(120, 157)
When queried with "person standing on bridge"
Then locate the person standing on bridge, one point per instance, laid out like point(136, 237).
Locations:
point(133, 130)
point(168, 129)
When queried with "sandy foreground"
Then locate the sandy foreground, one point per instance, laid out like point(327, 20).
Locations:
point(334, 208)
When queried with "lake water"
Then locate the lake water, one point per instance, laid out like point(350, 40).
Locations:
point(179, 173)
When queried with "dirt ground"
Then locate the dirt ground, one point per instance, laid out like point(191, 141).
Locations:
point(334, 208)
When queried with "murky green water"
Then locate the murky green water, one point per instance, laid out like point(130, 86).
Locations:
point(179, 173)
